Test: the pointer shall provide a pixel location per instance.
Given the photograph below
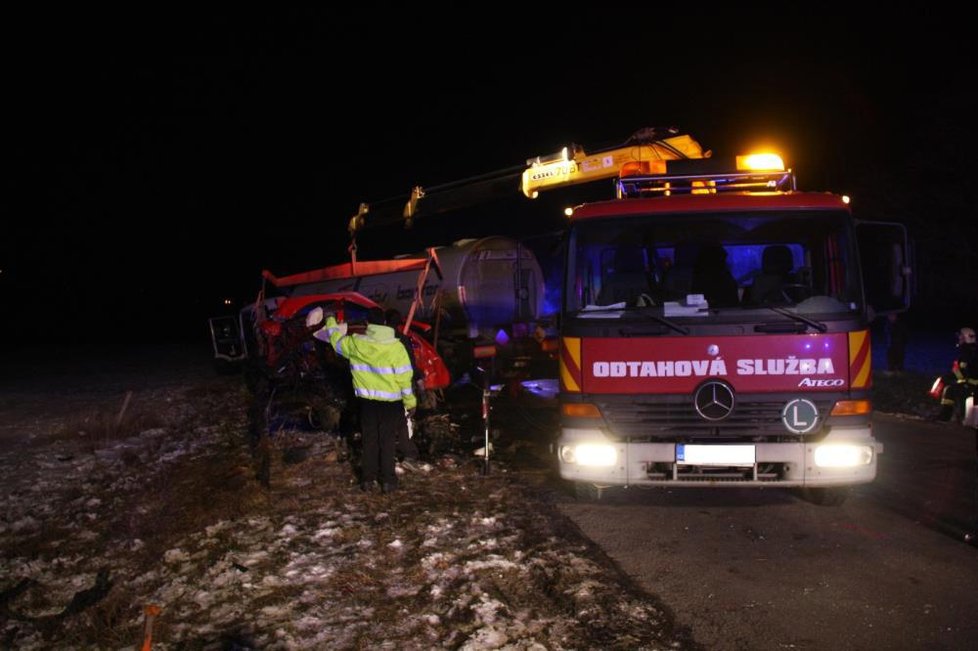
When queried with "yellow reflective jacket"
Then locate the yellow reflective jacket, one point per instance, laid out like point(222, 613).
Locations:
point(380, 364)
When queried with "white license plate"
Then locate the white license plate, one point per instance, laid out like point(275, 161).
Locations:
point(715, 455)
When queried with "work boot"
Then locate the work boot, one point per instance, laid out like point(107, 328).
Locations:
point(388, 487)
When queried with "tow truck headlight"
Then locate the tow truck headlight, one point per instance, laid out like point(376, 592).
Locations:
point(841, 455)
point(589, 454)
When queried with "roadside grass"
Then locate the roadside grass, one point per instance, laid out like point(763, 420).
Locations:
point(191, 496)
point(904, 393)
point(154, 510)
point(102, 427)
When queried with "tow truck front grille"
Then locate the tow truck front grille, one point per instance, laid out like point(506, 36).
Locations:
point(675, 418)
point(768, 472)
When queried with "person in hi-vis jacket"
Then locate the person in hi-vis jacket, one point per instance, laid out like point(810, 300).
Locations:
point(382, 374)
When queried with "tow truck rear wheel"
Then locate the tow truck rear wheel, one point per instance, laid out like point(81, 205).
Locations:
point(833, 496)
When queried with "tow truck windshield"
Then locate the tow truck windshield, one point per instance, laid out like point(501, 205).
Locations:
point(683, 266)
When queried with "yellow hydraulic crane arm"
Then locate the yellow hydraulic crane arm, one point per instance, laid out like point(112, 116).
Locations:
point(572, 166)
point(645, 152)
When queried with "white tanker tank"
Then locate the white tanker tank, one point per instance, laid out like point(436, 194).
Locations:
point(486, 284)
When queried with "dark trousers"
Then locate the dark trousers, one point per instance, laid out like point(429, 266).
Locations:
point(379, 423)
point(954, 397)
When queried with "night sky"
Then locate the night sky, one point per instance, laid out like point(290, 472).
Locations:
point(161, 161)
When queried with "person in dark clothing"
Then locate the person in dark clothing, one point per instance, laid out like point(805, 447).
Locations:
point(775, 274)
point(897, 334)
point(712, 277)
point(962, 381)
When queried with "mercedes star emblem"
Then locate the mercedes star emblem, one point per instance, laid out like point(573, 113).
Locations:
point(714, 400)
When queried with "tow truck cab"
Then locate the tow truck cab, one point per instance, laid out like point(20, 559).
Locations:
point(715, 332)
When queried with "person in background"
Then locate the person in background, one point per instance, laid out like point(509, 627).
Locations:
point(962, 381)
point(897, 334)
point(712, 277)
point(382, 374)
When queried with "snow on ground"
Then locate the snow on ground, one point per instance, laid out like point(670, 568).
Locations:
point(92, 531)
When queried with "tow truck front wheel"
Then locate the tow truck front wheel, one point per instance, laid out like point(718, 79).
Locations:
point(587, 492)
point(833, 496)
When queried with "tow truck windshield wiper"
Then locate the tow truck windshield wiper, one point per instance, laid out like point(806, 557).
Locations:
point(666, 322)
point(818, 325)
point(614, 307)
point(620, 308)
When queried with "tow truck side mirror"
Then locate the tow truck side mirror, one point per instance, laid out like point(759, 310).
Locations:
point(887, 266)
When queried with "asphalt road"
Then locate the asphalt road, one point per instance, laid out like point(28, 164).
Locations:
point(762, 569)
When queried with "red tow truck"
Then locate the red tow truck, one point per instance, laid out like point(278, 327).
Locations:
point(715, 332)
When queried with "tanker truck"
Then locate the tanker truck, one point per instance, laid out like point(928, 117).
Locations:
point(479, 287)
point(485, 291)
point(476, 297)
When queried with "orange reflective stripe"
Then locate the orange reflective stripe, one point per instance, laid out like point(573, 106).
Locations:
point(570, 364)
point(860, 361)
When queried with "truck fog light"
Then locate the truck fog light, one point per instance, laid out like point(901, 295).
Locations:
point(589, 454)
point(567, 454)
point(836, 455)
